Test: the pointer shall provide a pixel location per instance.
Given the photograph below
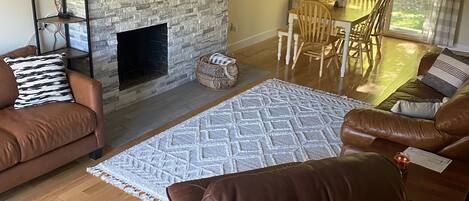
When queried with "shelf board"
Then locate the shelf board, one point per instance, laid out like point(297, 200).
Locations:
point(56, 19)
point(69, 53)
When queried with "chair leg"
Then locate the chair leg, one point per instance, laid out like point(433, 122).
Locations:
point(297, 55)
point(360, 55)
point(351, 48)
point(295, 46)
point(329, 63)
point(378, 45)
point(322, 61)
point(95, 155)
point(369, 53)
point(336, 56)
point(279, 53)
point(341, 47)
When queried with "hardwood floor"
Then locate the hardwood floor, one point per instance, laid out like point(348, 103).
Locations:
point(398, 64)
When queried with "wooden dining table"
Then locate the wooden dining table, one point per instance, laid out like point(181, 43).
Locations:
point(355, 12)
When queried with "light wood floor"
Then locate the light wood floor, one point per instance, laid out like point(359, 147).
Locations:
point(398, 64)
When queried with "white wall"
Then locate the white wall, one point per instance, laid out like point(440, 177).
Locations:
point(17, 24)
point(255, 20)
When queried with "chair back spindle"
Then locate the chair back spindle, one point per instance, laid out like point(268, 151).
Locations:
point(315, 22)
point(379, 25)
point(366, 28)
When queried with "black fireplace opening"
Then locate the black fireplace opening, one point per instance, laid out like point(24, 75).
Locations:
point(142, 55)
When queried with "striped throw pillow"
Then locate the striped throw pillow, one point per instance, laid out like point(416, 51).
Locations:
point(41, 79)
point(448, 73)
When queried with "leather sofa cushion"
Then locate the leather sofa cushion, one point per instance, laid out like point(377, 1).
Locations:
point(8, 86)
point(195, 189)
point(363, 177)
point(414, 90)
point(46, 127)
point(419, 89)
point(453, 117)
point(9, 150)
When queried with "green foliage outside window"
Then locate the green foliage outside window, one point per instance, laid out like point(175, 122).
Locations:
point(410, 14)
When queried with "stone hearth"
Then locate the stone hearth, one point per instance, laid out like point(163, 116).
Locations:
point(195, 28)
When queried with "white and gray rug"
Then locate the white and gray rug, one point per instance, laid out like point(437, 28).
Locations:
point(275, 122)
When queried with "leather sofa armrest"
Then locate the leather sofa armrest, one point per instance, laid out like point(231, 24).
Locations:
point(21, 52)
point(426, 62)
point(88, 92)
point(362, 126)
point(458, 150)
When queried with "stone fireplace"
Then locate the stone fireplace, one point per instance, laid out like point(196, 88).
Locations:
point(193, 28)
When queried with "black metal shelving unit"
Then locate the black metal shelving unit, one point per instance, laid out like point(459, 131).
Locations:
point(69, 52)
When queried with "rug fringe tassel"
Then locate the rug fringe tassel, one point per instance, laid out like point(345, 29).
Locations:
point(128, 188)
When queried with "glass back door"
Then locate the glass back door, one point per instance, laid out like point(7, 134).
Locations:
point(414, 19)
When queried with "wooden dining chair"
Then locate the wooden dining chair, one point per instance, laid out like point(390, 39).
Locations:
point(283, 33)
point(360, 38)
point(316, 27)
point(379, 27)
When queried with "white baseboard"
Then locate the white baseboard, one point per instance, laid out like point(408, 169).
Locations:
point(252, 40)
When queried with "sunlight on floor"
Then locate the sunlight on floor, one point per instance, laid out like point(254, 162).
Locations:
point(397, 64)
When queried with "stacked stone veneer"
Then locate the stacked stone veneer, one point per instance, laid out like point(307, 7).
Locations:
point(195, 28)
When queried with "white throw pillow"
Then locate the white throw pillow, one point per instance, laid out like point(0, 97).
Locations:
point(423, 110)
point(41, 79)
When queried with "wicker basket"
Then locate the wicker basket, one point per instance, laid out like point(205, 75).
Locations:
point(216, 76)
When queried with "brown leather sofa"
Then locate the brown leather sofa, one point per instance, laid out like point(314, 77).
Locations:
point(446, 135)
point(335, 179)
point(36, 140)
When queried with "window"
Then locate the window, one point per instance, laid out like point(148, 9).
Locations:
point(413, 18)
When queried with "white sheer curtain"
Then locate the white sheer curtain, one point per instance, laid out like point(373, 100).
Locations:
point(429, 25)
point(442, 22)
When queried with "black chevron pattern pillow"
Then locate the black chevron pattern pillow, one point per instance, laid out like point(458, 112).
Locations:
point(41, 79)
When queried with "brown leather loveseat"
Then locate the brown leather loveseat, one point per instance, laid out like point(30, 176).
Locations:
point(36, 140)
point(358, 177)
point(446, 135)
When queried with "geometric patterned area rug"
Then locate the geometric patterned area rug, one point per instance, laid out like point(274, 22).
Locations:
point(273, 123)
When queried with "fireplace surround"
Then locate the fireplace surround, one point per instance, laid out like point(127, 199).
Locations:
point(194, 28)
point(142, 55)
